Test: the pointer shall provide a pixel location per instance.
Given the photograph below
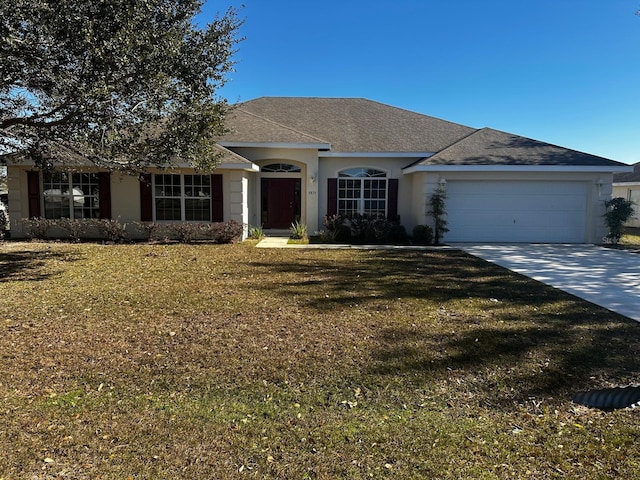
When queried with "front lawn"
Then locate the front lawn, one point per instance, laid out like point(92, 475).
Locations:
point(631, 237)
point(212, 362)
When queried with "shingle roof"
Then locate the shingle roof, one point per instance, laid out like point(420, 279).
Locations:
point(630, 177)
point(348, 124)
point(248, 127)
point(492, 147)
point(229, 158)
point(357, 125)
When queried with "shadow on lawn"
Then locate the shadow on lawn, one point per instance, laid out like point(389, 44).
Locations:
point(520, 340)
point(542, 359)
point(436, 276)
point(28, 265)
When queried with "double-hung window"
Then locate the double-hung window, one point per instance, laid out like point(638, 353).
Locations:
point(71, 195)
point(182, 197)
point(362, 191)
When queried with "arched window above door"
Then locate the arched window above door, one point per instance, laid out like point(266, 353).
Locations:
point(281, 168)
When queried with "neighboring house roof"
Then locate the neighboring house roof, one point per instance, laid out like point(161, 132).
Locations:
point(488, 147)
point(630, 177)
point(347, 124)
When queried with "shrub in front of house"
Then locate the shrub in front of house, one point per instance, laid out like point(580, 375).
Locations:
point(4, 223)
point(365, 229)
point(184, 232)
point(422, 235)
point(619, 210)
point(225, 232)
point(115, 231)
point(397, 235)
point(325, 236)
point(256, 232)
point(37, 228)
point(298, 231)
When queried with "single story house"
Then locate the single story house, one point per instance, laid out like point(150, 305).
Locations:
point(288, 159)
point(627, 186)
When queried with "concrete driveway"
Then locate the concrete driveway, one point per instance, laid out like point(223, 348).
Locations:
point(607, 277)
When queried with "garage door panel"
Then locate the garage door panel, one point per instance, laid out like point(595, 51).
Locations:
point(508, 219)
point(516, 211)
point(518, 202)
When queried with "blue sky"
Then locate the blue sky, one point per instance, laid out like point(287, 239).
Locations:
point(563, 71)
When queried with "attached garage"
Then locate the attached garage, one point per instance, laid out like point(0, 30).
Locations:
point(516, 211)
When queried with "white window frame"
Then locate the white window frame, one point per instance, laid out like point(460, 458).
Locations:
point(70, 195)
point(182, 197)
point(362, 176)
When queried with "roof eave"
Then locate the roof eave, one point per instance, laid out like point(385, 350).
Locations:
point(418, 155)
point(517, 168)
point(627, 183)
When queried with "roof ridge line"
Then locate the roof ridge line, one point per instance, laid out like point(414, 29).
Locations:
point(284, 126)
point(461, 139)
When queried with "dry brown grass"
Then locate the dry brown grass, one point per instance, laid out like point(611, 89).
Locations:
point(178, 361)
point(631, 238)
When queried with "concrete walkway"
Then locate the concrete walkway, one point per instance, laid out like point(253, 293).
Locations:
point(604, 276)
point(282, 242)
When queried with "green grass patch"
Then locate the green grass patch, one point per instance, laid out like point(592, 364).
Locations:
point(298, 241)
point(227, 361)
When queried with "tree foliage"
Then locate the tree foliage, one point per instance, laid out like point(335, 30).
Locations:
point(118, 83)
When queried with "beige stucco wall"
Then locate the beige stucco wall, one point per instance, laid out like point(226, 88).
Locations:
point(125, 197)
point(598, 187)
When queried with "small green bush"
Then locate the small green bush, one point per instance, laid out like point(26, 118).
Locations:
point(256, 232)
point(422, 235)
point(298, 231)
point(438, 213)
point(397, 235)
point(4, 223)
point(365, 229)
point(343, 234)
point(326, 236)
point(619, 210)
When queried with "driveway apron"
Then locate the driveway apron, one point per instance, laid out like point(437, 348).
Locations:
point(607, 277)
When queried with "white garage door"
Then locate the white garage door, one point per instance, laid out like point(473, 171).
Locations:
point(549, 212)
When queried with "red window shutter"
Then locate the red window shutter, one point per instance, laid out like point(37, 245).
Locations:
point(332, 196)
point(217, 199)
point(33, 191)
point(392, 205)
point(146, 198)
point(104, 194)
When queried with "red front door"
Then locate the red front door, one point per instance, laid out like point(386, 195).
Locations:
point(280, 202)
